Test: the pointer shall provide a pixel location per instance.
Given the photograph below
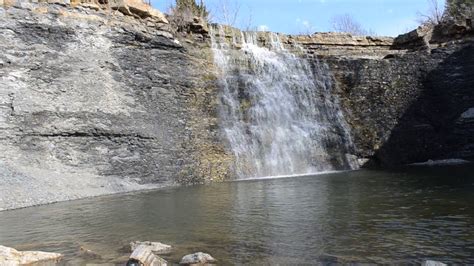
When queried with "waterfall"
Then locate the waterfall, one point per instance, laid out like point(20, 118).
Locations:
point(276, 108)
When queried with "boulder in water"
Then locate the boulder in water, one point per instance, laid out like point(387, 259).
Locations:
point(143, 256)
point(433, 263)
point(198, 258)
point(88, 254)
point(155, 247)
point(11, 256)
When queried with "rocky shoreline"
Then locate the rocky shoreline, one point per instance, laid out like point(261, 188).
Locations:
point(142, 254)
point(21, 191)
point(148, 254)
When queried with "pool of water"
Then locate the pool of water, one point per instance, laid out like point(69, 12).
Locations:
point(405, 216)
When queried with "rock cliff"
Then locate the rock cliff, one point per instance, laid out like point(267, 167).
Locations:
point(102, 97)
point(95, 102)
point(407, 104)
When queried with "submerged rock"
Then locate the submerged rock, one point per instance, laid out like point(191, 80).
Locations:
point(198, 258)
point(329, 259)
point(143, 256)
point(441, 162)
point(467, 116)
point(155, 247)
point(11, 256)
point(432, 263)
point(88, 254)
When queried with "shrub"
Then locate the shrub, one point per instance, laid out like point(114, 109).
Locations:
point(183, 12)
point(460, 8)
point(191, 7)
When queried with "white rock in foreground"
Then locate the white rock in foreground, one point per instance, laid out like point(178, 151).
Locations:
point(11, 256)
point(469, 114)
point(198, 258)
point(433, 263)
point(155, 247)
point(144, 256)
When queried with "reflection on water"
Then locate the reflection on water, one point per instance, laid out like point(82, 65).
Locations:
point(363, 216)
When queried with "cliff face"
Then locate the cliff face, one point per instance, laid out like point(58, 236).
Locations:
point(411, 103)
point(94, 101)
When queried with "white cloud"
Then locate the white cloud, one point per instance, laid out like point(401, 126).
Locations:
point(305, 26)
point(263, 28)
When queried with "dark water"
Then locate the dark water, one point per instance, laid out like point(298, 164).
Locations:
point(364, 216)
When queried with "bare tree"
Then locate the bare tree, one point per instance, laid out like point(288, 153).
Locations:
point(306, 27)
point(433, 15)
point(247, 23)
point(227, 12)
point(231, 13)
point(347, 23)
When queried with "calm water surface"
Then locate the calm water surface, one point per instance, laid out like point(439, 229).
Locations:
point(363, 216)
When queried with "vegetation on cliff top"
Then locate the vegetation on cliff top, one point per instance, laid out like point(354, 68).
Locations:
point(192, 8)
point(460, 8)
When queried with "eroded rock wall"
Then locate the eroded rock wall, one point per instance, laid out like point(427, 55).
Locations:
point(95, 102)
point(407, 106)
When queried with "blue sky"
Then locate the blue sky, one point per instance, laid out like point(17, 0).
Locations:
point(384, 17)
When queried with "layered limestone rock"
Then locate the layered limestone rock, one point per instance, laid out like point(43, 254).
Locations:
point(13, 257)
point(405, 107)
point(136, 8)
point(344, 44)
point(94, 103)
point(155, 247)
point(143, 255)
point(325, 44)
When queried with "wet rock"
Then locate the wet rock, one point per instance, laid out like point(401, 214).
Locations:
point(88, 254)
point(432, 263)
point(155, 247)
point(328, 259)
point(198, 258)
point(10, 256)
point(143, 256)
point(441, 162)
point(468, 115)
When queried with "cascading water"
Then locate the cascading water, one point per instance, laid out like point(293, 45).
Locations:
point(277, 110)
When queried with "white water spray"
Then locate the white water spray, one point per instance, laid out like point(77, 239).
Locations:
point(277, 109)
